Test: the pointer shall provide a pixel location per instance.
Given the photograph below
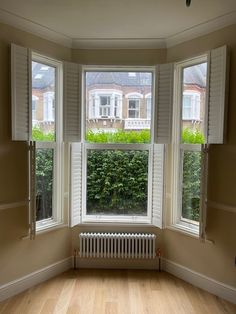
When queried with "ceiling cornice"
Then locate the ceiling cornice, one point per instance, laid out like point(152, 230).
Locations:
point(202, 29)
point(34, 28)
point(117, 43)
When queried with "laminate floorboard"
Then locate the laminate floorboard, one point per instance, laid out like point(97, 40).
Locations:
point(96, 291)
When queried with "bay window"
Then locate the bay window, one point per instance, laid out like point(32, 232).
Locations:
point(117, 173)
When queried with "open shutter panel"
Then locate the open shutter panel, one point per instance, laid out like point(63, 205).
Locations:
point(157, 185)
point(218, 72)
point(72, 102)
point(164, 100)
point(204, 184)
point(76, 184)
point(20, 93)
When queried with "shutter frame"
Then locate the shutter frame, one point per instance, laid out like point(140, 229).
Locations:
point(72, 102)
point(158, 185)
point(21, 102)
point(76, 184)
point(164, 102)
point(218, 60)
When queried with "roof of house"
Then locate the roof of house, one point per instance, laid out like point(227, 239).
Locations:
point(43, 76)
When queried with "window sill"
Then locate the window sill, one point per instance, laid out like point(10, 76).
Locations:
point(194, 233)
point(50, 225)
point(116, 220)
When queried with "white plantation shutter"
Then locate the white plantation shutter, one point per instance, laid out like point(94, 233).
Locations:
point(72, 102)
point(157, 185)
point(218, 72)
point(32, 189)
point(204, 183)
point(20, 93)
point(164, 100)
point(76, 184)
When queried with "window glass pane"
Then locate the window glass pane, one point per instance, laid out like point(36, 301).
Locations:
point(191, 185)
point(43, 102)
point(193, 103)
point(44, 183)
point(116, 109)
point(117, 182)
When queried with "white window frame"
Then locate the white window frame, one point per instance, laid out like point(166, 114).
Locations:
point(48, 107)
point(137, 107)
point(57, 146)
point(194, 105)
point(114, 219)
point(94, 103)
point(177, 221)
point(148, 102)
point(34, 101)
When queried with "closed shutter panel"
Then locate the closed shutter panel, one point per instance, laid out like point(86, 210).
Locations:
point(76, 184)
point(204, 184)
point(72, 102)
point(164, 100)
point(20, 93)
point(218, 72)
point(157, 185)
point(32, 189)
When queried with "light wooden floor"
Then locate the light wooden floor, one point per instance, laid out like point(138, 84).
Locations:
point(113, 292)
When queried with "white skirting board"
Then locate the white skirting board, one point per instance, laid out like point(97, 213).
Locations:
point(215, 287)
point(116, 263)
point(201, 281)
point(14, 287)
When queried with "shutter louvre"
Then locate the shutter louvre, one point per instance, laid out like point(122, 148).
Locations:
point(20, 93)
point(158, 185)
point(72, 102)
point(164, 100)
point(76, 184)
point(217, 95)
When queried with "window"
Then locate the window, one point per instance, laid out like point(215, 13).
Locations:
point(191, 106)
point(49, 106)
point(148, 99)
point(46, 131)
point(104, 104)
point(188, 136)
point(34, 108)
point(133, 108)
point(117, 162)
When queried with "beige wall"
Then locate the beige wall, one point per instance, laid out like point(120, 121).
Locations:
point(20, 257)
point(213, 260)
point(119, 56)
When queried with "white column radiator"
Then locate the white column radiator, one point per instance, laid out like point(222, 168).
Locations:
point(117, 245)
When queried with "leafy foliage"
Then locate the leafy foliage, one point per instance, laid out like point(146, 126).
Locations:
point(119, 136)
point(40, 136)
point(117, 182)
point(190, 136)
point(44, 175)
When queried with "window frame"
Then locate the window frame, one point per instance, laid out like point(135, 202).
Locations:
point(195, 112)
point(57, 218)
point(116, 219)
point(94, 97)
point(177, 221)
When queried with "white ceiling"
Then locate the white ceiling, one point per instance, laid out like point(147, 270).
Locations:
point(118, 23)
